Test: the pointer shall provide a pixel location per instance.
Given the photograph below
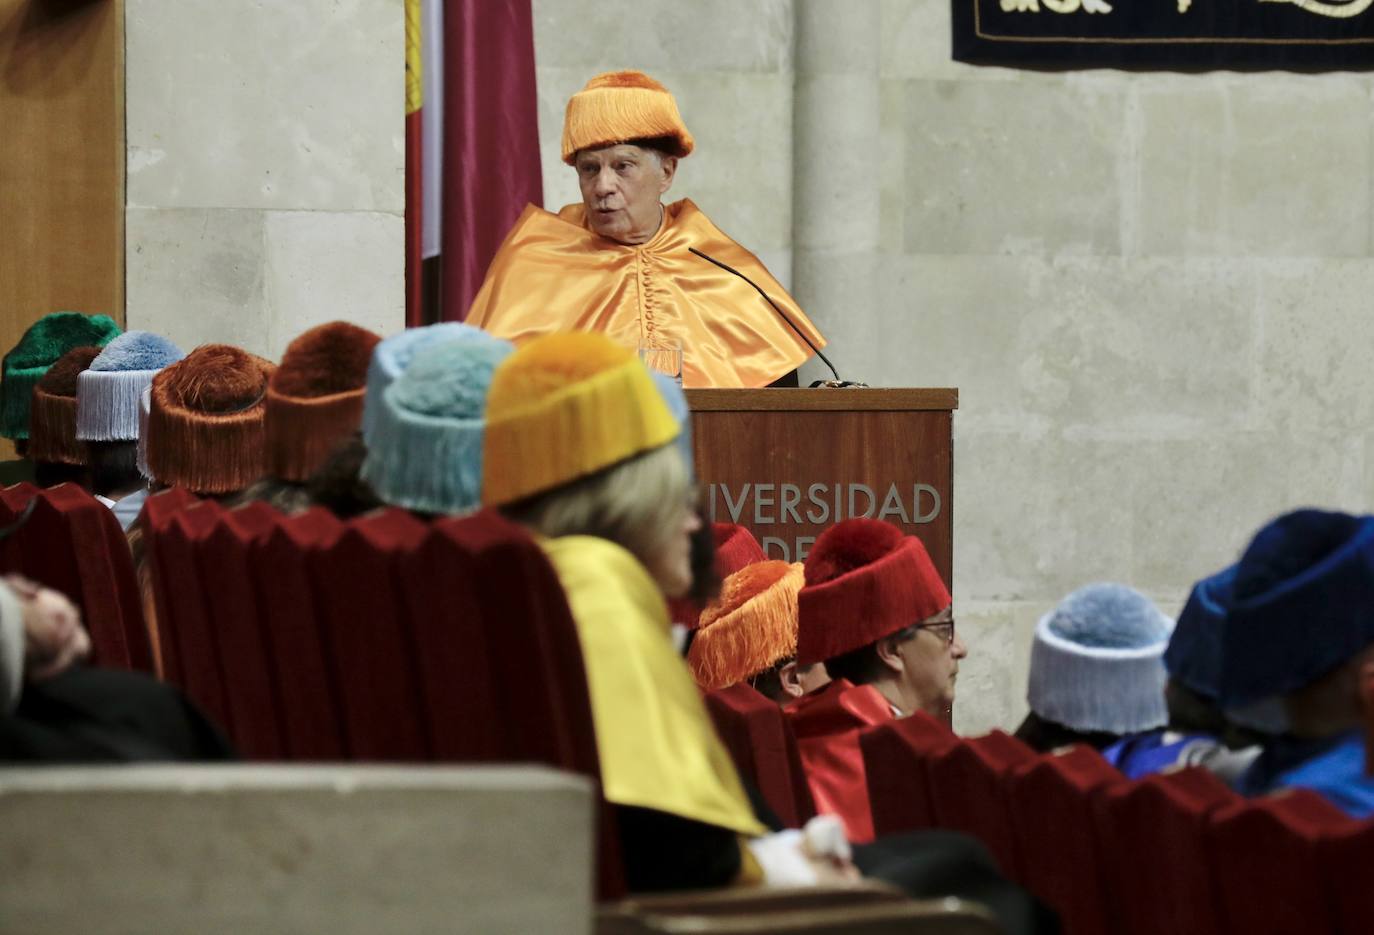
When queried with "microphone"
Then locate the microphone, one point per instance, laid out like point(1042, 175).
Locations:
point(783, 315)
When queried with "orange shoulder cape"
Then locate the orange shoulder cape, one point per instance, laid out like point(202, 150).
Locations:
point(552, 273)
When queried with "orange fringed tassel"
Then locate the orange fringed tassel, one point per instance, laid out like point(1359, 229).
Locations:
point(52, 430)
point(617, 107)
point(303, 433)
point(752, 627)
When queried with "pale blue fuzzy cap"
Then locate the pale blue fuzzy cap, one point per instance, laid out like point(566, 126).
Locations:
point(137, 350)
point(425, 452)
point(391, 357)
point(1097, 663)
point(672, 394)
point(108, 391)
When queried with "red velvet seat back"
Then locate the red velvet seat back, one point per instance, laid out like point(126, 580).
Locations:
point(761, 743)
point(1271, 846)
point(71, 542)
point(292, 621)
point(438, 583)
point(157, 514)
point(534, 656)
point(1152, 846)
point(1347, 855)
point(358, 585)
point(247, 658)
point(183, 613)
point(894, 762)
point(1050, 799)
point(968, 792)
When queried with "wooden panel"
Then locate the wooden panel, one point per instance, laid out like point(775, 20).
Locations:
point(894, 464)
point(848, 399)
point(61, 160)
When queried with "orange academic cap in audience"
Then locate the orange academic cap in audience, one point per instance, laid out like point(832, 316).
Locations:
point(315, 399)
point(751, 628)
point(865, 579)
point(52, 413)
point(205, 424)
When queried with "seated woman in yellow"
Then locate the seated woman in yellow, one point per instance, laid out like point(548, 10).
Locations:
point(580, 448)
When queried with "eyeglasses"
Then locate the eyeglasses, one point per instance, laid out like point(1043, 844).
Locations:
point(945, 631)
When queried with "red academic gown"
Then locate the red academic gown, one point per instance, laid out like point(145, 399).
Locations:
point(827, 723)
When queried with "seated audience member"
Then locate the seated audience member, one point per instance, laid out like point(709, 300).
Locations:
point(611, 497)
point(750, 632)
point(42, 344)
point(107, 416)
point(314, 404)
point(424, 450)
point(1198, 733)
point(205, 422)
point(875, 611)
point(1096, 671)
point(51, 710)
point(57, 454)
point(1301, 629)
point(610, 503)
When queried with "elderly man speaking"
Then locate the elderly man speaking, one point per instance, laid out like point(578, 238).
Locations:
point(620, 263)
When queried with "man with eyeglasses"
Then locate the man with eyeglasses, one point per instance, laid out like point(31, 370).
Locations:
point(876, 612)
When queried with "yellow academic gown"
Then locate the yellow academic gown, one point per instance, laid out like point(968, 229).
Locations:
point(657, 746)
point(553, 273)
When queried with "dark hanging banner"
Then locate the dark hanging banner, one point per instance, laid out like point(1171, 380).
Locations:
point(1184, 35)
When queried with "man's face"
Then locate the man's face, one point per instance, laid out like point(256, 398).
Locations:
point(930, 665)
point(621, 186)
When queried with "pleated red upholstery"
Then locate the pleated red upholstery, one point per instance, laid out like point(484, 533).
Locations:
point(186, 613)
point(968, 792)
point(357, 581)
point(535, 662)
point(71, 542)
point(247, 658)
point(439, 589)
point(158, 511)
point(1270, 846)
point(1346, 858)
point(278, 560)
point(1152, 837)
point(756, 733)
point(894, 761)
point(1050, 803)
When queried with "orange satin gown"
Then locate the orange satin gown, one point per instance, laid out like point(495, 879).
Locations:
point(553, 273)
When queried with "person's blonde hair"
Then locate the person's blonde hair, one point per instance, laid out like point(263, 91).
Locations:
point(637, 503)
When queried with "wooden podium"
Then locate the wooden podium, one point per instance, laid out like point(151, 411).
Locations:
point(789, 463)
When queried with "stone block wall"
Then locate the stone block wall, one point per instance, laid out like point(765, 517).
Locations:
point(266, 168)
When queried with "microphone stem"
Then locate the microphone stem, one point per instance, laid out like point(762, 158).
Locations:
point(781, 314)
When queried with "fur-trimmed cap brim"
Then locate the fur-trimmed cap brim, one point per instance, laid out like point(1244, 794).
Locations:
point(622, 107)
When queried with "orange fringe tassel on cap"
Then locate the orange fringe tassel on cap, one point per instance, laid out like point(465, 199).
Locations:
point(315, 398)
point(52, 412)
point(205, 426)
point(620, 107)
point(751, 628)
